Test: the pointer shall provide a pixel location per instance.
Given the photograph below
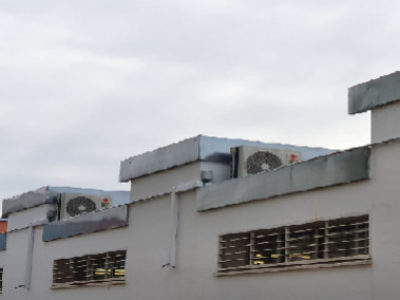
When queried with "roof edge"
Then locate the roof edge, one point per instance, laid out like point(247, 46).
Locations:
point(374, 93)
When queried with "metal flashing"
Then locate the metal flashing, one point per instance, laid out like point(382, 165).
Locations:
point(199, 148)
point(87, 223)
point(25, 201)
point(338, 168)
point(374, 93)
point(160, 159)
point(3, 241)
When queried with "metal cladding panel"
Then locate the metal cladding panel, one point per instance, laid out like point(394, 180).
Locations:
point(24, 201)
point(374, 93)
point(91, 222)
point(325, 171)
point(3, 240)
point(202, 148)
point(160, 159)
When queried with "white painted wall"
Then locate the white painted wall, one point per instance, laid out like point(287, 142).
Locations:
point(221, 172)
point(385, 193)
point(25, 217)
point(162, 182)
point(385, 122)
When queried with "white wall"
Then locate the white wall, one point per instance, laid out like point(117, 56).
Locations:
point(221, 172)
point(385, 122)
point(161, 183)
point(25, 217)
point(385, 240)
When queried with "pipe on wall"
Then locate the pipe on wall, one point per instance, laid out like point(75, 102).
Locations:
point(29, 254)
point(174, 227)
point(172, 256)
point(29, 258)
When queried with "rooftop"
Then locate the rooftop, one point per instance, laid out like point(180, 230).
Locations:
point(48, 195)
point(199, 148)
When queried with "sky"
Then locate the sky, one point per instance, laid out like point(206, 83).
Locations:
point(86, 84)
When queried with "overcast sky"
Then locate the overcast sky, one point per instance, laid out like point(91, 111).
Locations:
point(86, 84)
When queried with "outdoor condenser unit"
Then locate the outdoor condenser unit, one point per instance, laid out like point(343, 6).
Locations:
point(252, 160)
point(72, 204)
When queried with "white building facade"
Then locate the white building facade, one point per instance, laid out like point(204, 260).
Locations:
point(324, 228)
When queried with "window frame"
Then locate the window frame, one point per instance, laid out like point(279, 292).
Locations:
point(301, 246)
point(86, 270)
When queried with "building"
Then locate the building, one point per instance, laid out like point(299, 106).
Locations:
point(323, 228)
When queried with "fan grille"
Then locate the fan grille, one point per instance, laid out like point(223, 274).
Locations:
point(262, 161)
point(79, 205)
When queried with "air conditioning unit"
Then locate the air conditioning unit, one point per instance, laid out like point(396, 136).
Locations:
point(252, 160)
point(72, 204)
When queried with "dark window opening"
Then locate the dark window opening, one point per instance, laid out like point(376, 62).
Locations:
point(316, 242)
point(109, 266)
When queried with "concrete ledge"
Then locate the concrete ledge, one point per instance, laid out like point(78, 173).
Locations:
point(91, 222)
point(374, 93)
point(329, 263)
point(75, 284)
point(338, 168)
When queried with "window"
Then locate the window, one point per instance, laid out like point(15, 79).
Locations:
point(108, 268)
point(323, 243)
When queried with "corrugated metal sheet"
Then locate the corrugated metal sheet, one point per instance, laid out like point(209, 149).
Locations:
point(374, 93)
point(87, 223)
point(338, 168)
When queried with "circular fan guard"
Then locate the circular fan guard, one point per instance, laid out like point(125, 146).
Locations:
point(262, 161)
point(79, 205)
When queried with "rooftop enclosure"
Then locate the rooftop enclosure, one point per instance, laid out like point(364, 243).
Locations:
point(199, 148)
point(155, 173)
point(43, 205)
point(338, 168)
point(48, 195)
